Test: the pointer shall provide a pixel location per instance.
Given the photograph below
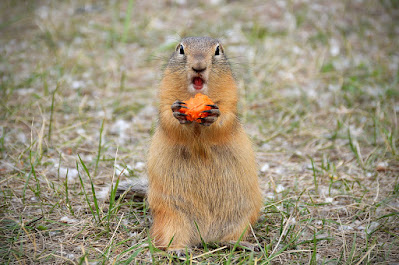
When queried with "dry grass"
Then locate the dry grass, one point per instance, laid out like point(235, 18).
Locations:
point(319, 97)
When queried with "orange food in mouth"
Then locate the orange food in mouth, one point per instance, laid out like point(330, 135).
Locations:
point(196, 106)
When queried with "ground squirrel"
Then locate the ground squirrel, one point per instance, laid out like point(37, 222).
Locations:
point(202, 176)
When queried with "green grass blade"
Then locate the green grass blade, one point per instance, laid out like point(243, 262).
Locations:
point(316, 185)
point(99, 147)
point(351, 254)
point(127, 21)
point(68, 202)
point(51, 114)
point(92, 189)
point(202, 240)
point(84, 192)
point(314, 250)
point(235, 246)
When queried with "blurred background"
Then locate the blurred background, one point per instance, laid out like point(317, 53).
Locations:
point(319, 98)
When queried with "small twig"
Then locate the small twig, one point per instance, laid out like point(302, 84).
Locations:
point(34, 221)
point(281, 236)
point(32, 238)
point(13, 167)
point(257, 241)
point(378, 191)
point(273, 183)
point(113, 235)
point(365, 255)
point(292, 251)
point(343, 236)
point(113, 173)
point(209, 252)
point(57, 256)
point(359, 153)
point(84, 254)
point(99, 147)
point(274, 204)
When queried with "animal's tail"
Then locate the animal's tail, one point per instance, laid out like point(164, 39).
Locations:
point(134, 188)
point(131, 189)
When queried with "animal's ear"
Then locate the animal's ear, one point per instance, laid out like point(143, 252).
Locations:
point(218, 49)
point(180, 48)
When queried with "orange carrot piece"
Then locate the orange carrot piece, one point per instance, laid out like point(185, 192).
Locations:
point(196, 106)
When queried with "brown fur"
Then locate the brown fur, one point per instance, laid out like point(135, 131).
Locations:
point(200, 175)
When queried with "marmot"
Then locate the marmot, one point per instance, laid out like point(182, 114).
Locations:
point(203, 180)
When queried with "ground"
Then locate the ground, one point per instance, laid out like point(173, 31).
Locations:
point(319, 98)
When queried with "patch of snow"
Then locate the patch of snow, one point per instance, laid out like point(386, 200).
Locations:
point(383, 164)
point(265, 168)
point(21, 137)
point(87, 158)
point(77, 84)
point(215, 2)
point(298, 153)
point(334, 87)
point(265, 146)
point(329, 200)
point(361, 227)
point(181, 2)
point(345, 227)
point(355, 131)
point(54, 233)
point(286, 75)
point(120, 126)
point(280, 188)
point(119, 169)
point(133, 234)
point(66, 219)
point(43, 12)
point(140, 166)
point(270, 195)
point(103, 194)
point(296, 50)
point(334, 47)
point(72, 173)
point(320, 236)
point(24, 91)
point(372, 227)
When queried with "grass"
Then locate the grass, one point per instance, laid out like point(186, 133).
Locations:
point(319, 98)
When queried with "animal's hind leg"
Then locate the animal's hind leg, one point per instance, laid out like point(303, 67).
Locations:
point(170, 229)
point(235, 234)
point(241, 232)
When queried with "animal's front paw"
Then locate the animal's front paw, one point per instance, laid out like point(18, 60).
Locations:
point(181, 117)
point(212, 115)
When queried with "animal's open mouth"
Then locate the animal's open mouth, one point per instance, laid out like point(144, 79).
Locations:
point(198, 83)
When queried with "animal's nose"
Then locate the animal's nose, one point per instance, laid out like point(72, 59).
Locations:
point(198, 69)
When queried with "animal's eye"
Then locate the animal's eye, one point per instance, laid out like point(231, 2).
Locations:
point(181, 49)
point(217, 51)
